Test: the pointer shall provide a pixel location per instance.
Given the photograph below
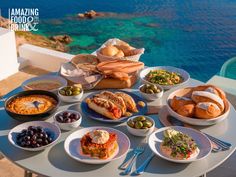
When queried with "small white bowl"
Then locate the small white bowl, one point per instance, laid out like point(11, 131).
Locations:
point(52, 128)
point(71, 99)
point(149, 96)
point(68, 126)
point(140, 132)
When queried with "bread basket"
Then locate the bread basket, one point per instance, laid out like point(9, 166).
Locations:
point(115, 41)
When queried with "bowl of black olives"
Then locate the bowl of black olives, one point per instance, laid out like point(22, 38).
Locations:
point(151, 92)
point(71, 93)
point(68, 119)
point(34, 136)
point(140, 125)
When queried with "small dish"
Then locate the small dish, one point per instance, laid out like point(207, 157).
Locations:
point(72, 146)
point(70, 98)
point(151, 96)
point(140, 132)
point(47, 126)
point(68, 125)
point(48, 82)
point(203, 143)
point(184, 74)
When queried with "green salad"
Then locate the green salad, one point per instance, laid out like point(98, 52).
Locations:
point(180, 144)
point(164, 77)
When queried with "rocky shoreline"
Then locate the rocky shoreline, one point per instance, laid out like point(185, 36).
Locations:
point(58, 42)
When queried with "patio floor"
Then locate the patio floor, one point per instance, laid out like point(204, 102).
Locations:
point(8, 169)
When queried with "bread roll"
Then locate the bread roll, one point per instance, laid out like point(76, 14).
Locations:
point(104, 107)
point(204, 96)
point(211, 89)
point(125, 48)
point(109, 50)
point(207, 110)
point(129, 101)
point(187, 110)
point(178, 102)
point(119, 54)
point(118, 101)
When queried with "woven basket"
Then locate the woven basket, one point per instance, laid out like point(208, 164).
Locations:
point(115, 41)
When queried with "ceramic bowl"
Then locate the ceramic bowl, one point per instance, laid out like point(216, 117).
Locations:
point(194, 120)
point(68, 126)
point(149, 96)
point(72, 98)
point(184, 74)
point(49, 127)
point(140, 132)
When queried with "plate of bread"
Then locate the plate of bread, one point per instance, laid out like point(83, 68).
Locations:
point(202, 105)
point(113, 105)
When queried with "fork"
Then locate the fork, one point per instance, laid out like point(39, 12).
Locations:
point(129, 164)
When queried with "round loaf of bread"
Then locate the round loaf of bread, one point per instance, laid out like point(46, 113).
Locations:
point(109, 50)
point(204, 96)
point(207, 110)
point(187, 110)
point(211, 89)
point(178, 102)
point(119, 54)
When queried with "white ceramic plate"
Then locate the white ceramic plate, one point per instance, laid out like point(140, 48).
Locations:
point(201, 140)
point(185, 75)
point(50, 127)
point(194, 121)
point(73, 149)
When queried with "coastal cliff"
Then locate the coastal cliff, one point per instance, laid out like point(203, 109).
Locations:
point(26, 37)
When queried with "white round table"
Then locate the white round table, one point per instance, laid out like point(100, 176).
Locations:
point(55, 162)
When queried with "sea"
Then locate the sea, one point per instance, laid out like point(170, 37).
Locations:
point(195, 35)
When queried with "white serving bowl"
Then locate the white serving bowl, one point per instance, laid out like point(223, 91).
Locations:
point(52, 128)
point(68, 126)
point(71, 99)
point(149, 96)
point(58, 79)
point(194, 121)
point(140, 132)
point(184, 74)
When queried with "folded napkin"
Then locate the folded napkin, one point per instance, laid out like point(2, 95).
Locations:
point(76, 75)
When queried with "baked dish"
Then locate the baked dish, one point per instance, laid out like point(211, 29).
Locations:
point(31, 104)
point(177, 145)
point(99, 144)
point(204, 101)
point(112, 105)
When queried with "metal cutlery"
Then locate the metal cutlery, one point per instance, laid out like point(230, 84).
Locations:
point(142, 167)
point(129, 164)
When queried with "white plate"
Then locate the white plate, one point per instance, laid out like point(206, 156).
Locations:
point(195, 121)
point(184, 74)
point(201, 140)
point(72, 146)
point(52, 128)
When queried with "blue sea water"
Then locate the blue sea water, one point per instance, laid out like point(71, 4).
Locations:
point(196, 35)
